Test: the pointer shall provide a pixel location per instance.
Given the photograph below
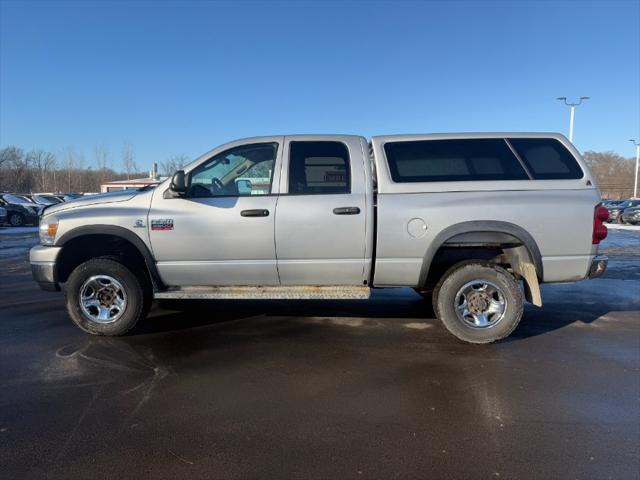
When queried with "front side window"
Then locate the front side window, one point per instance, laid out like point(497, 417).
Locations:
point(241, 171)
point(318, 168)
point(452, 160)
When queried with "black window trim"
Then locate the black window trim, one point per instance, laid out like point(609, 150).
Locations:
point(275, 159)
point(348, 192)
point(517, 155)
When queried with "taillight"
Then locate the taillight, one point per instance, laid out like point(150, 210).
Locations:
point(600, 215)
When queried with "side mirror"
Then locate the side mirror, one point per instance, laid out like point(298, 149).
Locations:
point(178, 182)
point(243, 186)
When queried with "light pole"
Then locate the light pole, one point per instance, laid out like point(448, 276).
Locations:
point(573, 112)
point(635, 183)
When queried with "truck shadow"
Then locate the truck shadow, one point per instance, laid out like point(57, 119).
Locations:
point(183, 315)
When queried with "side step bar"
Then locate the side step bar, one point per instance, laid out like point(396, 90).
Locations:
point(297, 292)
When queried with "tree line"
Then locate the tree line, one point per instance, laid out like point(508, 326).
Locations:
point(614, 173)
point(69, 171)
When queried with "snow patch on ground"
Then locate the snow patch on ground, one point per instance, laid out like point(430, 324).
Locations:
point(618, 226)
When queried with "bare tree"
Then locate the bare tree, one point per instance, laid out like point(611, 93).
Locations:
point(173, 164)
point(613, 173)
point(128, 160)
point(73, 165)
point(101, 153)
point(43, 164)
point(16, 174)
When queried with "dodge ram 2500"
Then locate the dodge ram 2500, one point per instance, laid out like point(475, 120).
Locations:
point(469, 220)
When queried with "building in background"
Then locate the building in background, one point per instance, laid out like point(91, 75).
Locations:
point(134, 183)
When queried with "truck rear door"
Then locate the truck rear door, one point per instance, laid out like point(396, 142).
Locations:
point(324, 214)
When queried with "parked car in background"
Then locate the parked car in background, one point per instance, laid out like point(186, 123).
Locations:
point(67, 197)
point(31, 207)
point(631, 215)
point(44, 199)
point(3, 215)
point(17, 215)
point(615, 211)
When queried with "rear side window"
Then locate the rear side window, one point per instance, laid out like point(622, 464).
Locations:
point(547, 158)
point(453, 160)
point(318, 168)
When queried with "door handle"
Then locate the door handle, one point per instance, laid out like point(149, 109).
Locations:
point(346, 211)
point(258, 212)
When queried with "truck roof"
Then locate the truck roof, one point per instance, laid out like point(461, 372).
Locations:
point(434, 136)
point(412, 136)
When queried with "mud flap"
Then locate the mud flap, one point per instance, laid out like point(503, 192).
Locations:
point(520, 261)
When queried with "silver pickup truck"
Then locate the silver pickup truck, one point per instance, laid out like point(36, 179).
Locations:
point(474, 221)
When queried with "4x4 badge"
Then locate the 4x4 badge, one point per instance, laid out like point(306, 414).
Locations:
point(162, 224)
point(139, 224)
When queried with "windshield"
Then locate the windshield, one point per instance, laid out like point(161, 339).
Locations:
point(15, 199)
point(49, 198)
point(628, 203)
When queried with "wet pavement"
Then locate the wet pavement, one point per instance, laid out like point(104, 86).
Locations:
point(350, 389)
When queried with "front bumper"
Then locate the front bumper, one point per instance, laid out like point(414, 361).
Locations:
point(613, 215)
point(598, 266)
point(633, 218)
point(43, 266)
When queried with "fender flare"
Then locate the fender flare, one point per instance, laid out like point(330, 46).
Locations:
point(477, 226)
point(123, 233)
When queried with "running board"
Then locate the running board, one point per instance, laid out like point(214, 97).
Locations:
point(298, 292)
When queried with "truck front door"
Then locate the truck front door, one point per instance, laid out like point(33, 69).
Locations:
point(323, 219)
point(222, 231)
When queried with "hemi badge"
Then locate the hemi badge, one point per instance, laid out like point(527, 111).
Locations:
point(162, 224)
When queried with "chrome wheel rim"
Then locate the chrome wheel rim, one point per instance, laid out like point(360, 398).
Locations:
point(480, 304)
point(102, 299)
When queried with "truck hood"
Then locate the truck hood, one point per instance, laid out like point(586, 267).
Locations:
point(111, 197)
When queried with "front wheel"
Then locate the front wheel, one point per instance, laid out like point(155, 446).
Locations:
point(478, 302)
point(106, 298)
point(16, 220)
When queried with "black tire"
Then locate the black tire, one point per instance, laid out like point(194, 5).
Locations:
point(135, 285)
point(16, 219)
point(445, 298)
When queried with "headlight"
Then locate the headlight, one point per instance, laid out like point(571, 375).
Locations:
point(48, 230)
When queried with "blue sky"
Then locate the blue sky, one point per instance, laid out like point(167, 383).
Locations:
point(183, 77)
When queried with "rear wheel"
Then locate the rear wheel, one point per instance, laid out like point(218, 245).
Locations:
point(106, 298)
point(16, 220)
point(478, 302)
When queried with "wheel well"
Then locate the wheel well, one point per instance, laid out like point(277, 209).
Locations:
point(448, 255)
point(80, 249)
point(500, 249)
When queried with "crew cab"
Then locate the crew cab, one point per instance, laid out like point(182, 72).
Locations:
point(468, 220)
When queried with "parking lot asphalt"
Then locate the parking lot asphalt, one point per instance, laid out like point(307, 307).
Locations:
point(307, 389)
